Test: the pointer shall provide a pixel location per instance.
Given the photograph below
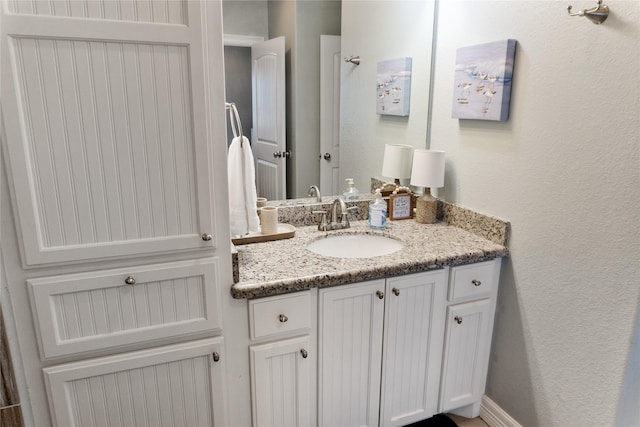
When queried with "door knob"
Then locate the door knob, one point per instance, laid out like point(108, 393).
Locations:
point(327, 156)
point(304, 353)
point(277, 154)
point(380, 294)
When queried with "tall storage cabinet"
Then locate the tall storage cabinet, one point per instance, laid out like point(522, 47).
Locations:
point(381, 343)
point(115, 134)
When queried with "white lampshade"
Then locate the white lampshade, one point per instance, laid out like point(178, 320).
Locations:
point(397, 161)
point(428, 168)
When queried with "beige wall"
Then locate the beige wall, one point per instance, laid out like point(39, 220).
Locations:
point(565, 170)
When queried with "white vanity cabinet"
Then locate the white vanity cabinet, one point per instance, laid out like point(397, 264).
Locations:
point(469, 325)
point(172, 386)
point(283, 361)
point(380, 350)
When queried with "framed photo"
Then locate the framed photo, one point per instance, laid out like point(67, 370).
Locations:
point(393, 87)
point(482, 81)
point(401, 206)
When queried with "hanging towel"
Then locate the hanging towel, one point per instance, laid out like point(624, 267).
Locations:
point(243, 216)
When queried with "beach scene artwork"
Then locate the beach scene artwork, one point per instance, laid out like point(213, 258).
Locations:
point(482, 83)
point(394, 87)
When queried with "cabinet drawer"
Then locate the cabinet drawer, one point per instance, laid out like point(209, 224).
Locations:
point(473, 280)
point(84, 312)
point(281, 314)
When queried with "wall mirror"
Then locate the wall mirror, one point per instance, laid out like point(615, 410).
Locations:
point(347, 140)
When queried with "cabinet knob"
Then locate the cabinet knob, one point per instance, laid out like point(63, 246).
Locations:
point(395, 291)
point(216, 356)
point(380, 294)
point(304, 353)
point(130, 280)
point(476, 282)
point(206, 237)
point(458, 319)
point(283, 318)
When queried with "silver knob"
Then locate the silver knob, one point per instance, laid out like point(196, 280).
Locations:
point(476, 282)
point(380, 294)
point(283, 318)
point(327, 156)
point(277, 154)
point(130, 280)
point(458, 319)
point(395, 291)
point(286, 154)
point(207, 237)
point(304, 353)
point(216, 356)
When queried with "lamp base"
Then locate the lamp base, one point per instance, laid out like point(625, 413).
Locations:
point(426, 208)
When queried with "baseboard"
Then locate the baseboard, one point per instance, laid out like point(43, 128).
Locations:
point(494, 415)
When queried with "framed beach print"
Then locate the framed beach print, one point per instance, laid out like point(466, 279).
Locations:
point(482, 83)
point(393, 87)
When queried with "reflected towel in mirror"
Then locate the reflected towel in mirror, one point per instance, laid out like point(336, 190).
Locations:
point(243, 216)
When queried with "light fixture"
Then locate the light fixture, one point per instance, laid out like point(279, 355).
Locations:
point(427, 171)
point(396, 163)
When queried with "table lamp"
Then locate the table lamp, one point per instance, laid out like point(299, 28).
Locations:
point(396, 163)
point(427, 171)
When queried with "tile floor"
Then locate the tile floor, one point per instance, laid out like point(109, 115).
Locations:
point(468, 422)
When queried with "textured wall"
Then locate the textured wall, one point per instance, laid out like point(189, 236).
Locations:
point(565, 170)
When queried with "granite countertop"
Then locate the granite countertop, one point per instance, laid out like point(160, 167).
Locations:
point(284, 266)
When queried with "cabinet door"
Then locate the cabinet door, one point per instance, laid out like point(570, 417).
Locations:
point(413, 337)
point(107, 114)
point(281, 383)
point(467, 344)
point(171, 386)
point(350, 337)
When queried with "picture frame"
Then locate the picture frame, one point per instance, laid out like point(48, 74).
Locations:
point(393, 87)
point(401, 206)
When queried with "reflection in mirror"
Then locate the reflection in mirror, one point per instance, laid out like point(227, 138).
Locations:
point(374, 30)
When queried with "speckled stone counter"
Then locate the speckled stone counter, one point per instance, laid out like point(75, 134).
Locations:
point(284, 266)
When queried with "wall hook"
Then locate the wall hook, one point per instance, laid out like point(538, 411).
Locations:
point(597, 14)
point(353, 59)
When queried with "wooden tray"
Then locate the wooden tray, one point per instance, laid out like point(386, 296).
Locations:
point(285, 231)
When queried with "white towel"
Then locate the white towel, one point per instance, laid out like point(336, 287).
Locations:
point(243, 216)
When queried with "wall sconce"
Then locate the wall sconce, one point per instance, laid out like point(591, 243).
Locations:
point(427, 171)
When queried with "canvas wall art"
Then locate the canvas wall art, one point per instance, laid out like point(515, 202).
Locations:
point(394, 87)
point(482, 83)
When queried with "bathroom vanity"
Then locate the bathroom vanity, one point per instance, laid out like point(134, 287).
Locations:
point(386, 341)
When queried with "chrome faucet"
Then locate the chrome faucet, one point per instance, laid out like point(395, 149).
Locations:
point(325, 225)
point(315, 190)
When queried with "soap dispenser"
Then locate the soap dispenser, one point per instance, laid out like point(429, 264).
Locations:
point(351, 192)
point(377, 212)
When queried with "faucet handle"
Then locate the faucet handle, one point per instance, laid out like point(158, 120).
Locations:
point(323, 225)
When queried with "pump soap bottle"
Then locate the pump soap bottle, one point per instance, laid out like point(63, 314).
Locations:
point(351, 192)
point(377, 212)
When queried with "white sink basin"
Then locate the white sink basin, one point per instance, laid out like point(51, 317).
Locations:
point(354, 246)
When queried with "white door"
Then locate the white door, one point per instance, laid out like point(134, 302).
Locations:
point(330, 114)
point(269, 118)
point(172, 386)
point(413, 336)
point(107, 111)
point(281, 383)
point(467, 343)
point(350, 337)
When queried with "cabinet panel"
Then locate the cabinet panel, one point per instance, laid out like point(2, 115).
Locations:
point(413, 337)
point(277, 315)
point(468, 340)
point(90, 311)
point(474, 281)
point(350, 337)
point(169, 386)
point(281, 383)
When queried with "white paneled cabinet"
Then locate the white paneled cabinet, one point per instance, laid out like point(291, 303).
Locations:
point(171, 386)
point(380, 347)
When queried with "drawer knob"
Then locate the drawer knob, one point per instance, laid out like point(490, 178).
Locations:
point(304, 353)
point(283, 318)
point(380, 294)
point(476, 282)
point(216, 356)
point(130, 280)
point(395, 291)
point(207, 237)
point(458, 319)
